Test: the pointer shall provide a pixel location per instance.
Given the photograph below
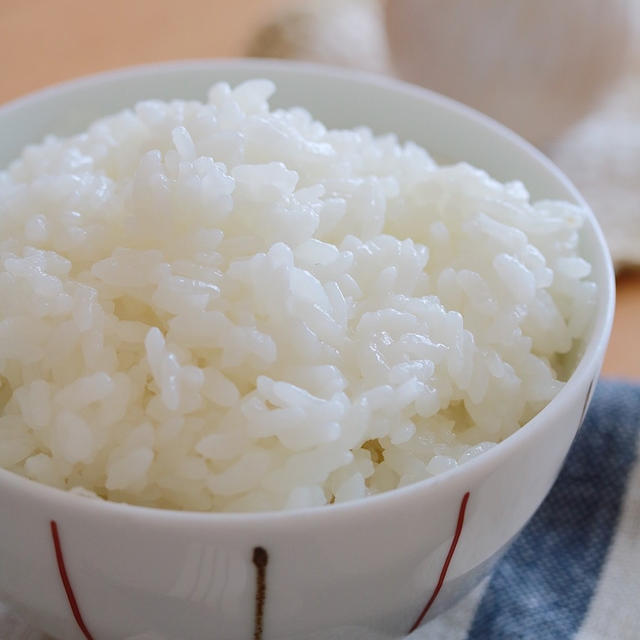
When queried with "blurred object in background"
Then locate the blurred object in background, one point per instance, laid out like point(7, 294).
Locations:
point(601, 155)
point(562, 74)
point(536, 66)
point(345, 33)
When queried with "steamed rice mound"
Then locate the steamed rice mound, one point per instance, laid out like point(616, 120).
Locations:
point(220, 307)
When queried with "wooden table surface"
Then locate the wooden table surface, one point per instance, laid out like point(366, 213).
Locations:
point(47, 41)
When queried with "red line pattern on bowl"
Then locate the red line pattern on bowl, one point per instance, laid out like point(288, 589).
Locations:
point(260, 560)
point(64, 577)
point(447, 562)
point(586, 402)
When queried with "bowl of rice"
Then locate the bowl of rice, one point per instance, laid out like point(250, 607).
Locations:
point(285, 351)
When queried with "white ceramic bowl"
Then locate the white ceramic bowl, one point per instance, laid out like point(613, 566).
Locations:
point(84, 569)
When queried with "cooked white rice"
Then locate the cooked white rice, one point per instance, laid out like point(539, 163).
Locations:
point(220, 307)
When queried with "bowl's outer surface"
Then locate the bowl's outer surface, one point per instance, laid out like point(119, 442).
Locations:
point(143, 573)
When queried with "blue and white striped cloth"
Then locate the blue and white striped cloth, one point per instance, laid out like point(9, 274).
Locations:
point(574, 572)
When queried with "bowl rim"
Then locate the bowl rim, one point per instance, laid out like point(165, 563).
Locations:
point(587, 369)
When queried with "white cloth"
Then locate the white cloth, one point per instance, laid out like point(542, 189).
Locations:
point(601, 155)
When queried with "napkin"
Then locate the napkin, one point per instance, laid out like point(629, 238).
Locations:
point(573, 572)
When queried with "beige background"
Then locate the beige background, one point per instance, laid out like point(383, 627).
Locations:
point(48, 41)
